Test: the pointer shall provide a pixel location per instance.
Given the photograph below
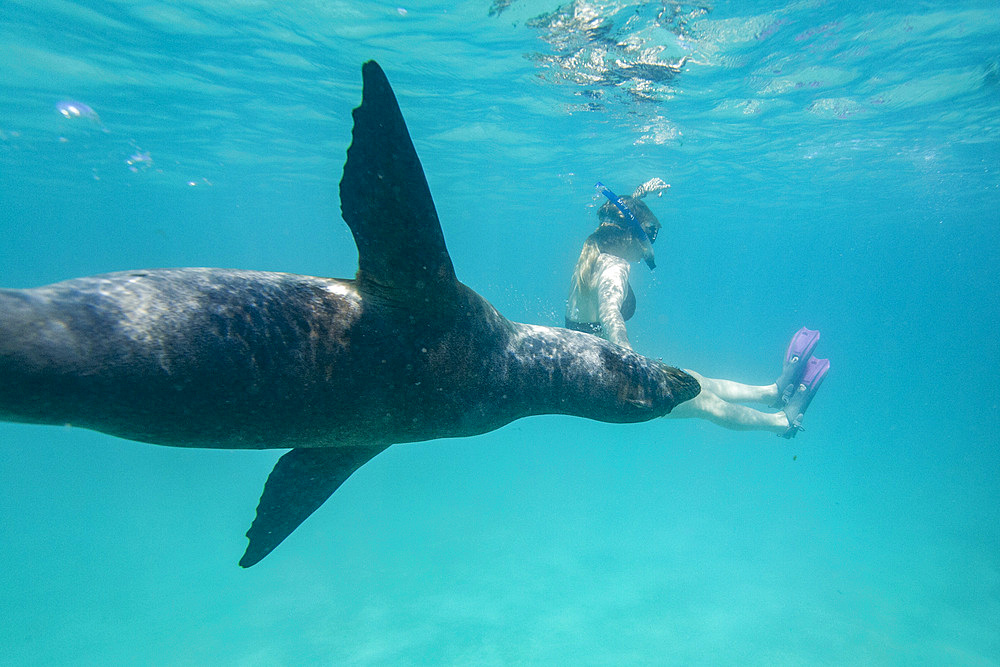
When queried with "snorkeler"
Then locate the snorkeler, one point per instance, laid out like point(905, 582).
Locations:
point(601, 300)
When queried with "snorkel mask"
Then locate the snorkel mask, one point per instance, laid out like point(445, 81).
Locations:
point(632, 222)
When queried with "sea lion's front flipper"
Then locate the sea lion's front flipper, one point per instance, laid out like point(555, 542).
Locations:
point(301, 481)
point(385, 201)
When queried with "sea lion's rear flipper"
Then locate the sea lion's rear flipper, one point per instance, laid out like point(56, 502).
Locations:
point(301, 481)
point(385, 201)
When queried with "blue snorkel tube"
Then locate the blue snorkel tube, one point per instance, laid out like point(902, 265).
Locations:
point(633, 223)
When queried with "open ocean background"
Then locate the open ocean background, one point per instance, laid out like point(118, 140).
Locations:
point(834, 164)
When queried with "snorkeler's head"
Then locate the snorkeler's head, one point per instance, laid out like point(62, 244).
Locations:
point(609, 213)
point(630, 222)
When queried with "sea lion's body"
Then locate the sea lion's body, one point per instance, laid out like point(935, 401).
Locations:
point(335, 370)
point(252, 360)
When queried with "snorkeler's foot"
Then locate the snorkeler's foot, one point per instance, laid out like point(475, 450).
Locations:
point(799, 350)
point(816, 370)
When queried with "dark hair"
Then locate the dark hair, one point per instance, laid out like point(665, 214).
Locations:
point(609, 213)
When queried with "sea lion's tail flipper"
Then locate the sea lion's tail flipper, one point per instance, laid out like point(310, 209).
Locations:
point(385, 201)
point(301, 481)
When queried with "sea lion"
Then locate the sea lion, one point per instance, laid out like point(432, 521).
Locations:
point(335, 370)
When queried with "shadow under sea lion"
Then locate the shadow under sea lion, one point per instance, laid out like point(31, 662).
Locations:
point(335, 370)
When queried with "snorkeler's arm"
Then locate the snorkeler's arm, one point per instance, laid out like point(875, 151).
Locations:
point(653, 185)
point(612, 286)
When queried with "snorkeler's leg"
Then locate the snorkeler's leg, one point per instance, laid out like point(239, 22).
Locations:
point(729, 390)
point(710, 407)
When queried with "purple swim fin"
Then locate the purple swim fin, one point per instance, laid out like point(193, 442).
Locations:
point(800, 348)
point(816, 370)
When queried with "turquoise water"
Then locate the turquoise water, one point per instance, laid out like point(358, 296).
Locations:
point(832, 166)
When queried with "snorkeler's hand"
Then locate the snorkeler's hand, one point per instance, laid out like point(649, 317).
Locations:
point(657, 185)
